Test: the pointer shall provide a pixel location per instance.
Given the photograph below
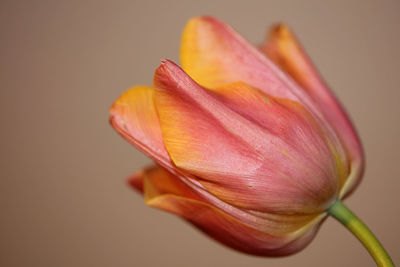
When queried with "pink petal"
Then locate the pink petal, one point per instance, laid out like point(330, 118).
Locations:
point(250, 165)
point(284, 49)
point(167, 192)
point(195, 140)
point(227, 230)
point(213, 54)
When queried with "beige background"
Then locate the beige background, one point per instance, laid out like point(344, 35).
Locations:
point(63, 198)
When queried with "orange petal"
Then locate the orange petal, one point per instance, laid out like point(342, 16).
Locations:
point(284, 49)
point(167, 192)
point(136, 180)
point(155, 180)
point(134, 116)
point(231, 232)
point(213, 54)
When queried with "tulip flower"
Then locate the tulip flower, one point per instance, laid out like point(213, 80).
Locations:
point(250, 145)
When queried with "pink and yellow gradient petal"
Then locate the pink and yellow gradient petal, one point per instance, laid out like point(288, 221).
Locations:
point(239, 159)
point(283, 48)
point(289, 122)
point(213, 54)
point(195, 139)
point(166, 191)
point(155, 180)
point(134, 116)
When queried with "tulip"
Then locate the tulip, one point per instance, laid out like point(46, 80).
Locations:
point(250, 145)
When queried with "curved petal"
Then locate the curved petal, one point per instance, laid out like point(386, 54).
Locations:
point(305, 155)
point(133, 115)
point(213, 54)
point(283, 48)
point(286, 120)
point(229, 231)
point(155, 180)
point(165, 191)
point(250, 165)
point(207, 146)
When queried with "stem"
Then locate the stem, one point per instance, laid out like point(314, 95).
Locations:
point(339, 211)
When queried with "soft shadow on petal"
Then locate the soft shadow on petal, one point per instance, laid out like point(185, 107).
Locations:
point(156, 180)
point(231, 232)
point(283, 48)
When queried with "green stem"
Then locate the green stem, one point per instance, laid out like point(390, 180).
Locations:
point(339, 211)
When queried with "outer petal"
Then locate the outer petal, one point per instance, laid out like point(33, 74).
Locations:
point(304, 141)
point(213, 54)
point(133, 115)
point(165, 191)
point(208, 146)
point(283, 48)
point(242, 162)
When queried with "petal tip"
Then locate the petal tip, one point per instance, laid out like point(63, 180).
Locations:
point(164, 61)
point(166, 64)
point(280, 31)
point(165, 72)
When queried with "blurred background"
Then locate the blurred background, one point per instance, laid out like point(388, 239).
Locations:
point(63, 196)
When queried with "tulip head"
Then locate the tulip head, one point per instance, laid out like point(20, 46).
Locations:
point(251, 146)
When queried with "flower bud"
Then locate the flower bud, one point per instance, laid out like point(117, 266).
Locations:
point(251, 146)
